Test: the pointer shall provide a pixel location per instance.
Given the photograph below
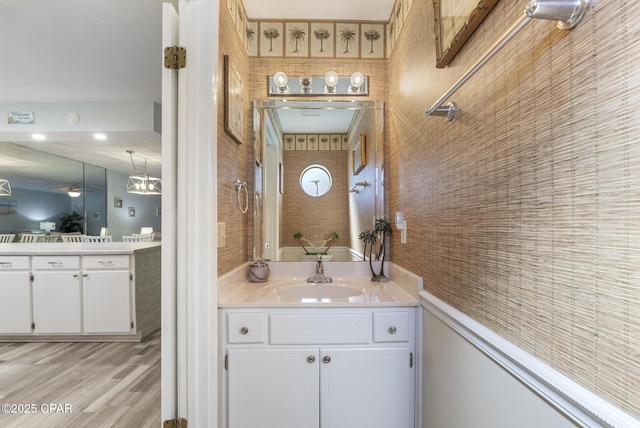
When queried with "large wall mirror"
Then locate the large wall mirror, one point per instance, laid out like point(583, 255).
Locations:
point(45, 186)
point(293, 221)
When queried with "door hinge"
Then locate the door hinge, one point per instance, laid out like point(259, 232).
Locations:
point(411, 360)
point(226, 362)
point(175, 57)
point(33, 326)
point(130, 276)
point(31, 277)
point(131, 325)
point(175, 423)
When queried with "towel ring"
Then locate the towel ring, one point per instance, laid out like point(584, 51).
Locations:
point(239, 186)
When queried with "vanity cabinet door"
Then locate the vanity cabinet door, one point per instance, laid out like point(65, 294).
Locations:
point(371, 387)
point(273, 388)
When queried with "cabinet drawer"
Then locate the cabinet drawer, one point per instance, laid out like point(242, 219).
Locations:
point(320, 329)
point(14, 262)
point(246, 327)
point(56, 262)
point(106, 262)
point(390, 327)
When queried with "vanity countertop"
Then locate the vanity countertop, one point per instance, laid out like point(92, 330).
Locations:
point(72, 248)
point(281, 290)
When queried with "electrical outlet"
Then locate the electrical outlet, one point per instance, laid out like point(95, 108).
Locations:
point(222, 235)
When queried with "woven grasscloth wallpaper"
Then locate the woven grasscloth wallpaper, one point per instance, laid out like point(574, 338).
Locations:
point(524, 212)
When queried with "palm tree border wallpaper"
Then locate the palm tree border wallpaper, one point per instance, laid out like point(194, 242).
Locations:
point(314, 39)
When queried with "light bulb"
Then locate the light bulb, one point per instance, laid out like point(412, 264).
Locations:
point(280, 79)
point(357, 79)
point(331, 79)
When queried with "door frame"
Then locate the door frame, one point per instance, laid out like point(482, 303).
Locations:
point(189, 299)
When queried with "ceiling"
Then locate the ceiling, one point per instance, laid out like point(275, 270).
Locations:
point(66, 51)
point(355, 10)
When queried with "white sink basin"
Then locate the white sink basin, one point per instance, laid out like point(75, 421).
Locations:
point(318, 292)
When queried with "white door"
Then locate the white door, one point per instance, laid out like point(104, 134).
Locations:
point(273, 388)
point(106, 301)
point(366, 388)
point(56, 302)
point(15, 302)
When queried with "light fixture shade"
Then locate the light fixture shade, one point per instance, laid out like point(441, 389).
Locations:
point(331, 78)
point(357, 80)
point(74, 193)
point(281, 79)
point(144, 185)
point(5, 187)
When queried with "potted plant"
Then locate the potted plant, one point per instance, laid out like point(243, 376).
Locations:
point(71, 223)
point(370, 238)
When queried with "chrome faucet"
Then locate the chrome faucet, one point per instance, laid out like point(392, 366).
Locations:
point(319, 276)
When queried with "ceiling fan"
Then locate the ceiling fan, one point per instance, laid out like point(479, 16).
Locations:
point(72, 190)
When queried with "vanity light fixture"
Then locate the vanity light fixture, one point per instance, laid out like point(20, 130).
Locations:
point(327, 85)
point(143, 183)
point(357, 80)
point(401, 225)
point(281, 80)
point(5, 187)
point(330, 80)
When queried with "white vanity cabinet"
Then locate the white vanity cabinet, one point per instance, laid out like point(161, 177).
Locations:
point(15, 294)
point(321, 368)
point(106, 294)
point(56, 294)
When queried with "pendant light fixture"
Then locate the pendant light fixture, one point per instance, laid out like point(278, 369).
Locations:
point(5, 187)
point(143, 183)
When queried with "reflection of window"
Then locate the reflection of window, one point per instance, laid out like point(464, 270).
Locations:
point(315, 180)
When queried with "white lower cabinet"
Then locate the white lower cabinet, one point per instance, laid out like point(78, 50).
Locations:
point(106, 294)
point(15, 294)
point(56, 302)
point(106, 302)
point(278, 378)
point(273, 388)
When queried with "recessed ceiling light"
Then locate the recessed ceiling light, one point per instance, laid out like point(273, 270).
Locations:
point(39, 137)
point(99, 136)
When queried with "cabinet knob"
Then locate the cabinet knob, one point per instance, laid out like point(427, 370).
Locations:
point(326, 359)
point(311, 359)
point(392, 329)
point(244, 330)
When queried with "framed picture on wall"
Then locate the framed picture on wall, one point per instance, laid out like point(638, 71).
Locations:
point(359, 154)
point(455, 22)
point(233, 101)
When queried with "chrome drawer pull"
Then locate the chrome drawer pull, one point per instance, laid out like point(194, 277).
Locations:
point(392, 330)
point(244, 330)
point(311, 359)
point(105, 262)
point(57, 264)
point(326, 359)
point(5, 263)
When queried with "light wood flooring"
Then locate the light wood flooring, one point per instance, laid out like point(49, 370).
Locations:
point(103, 384)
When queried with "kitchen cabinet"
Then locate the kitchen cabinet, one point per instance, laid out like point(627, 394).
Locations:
point(106, 294)
point(80, 292)
point(56, 294)
point(15, 294)
point(337, 368)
